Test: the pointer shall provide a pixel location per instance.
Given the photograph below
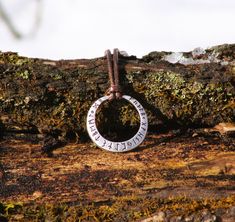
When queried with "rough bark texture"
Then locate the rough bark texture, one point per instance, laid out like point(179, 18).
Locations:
point(54, 96)
point(176, 175)
point(172, 177)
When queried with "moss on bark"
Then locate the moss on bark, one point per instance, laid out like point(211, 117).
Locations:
point(54, 96)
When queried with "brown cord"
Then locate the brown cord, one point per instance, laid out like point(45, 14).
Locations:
point(114, 91)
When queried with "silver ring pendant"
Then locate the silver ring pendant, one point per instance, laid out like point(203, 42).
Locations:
point(121, 146)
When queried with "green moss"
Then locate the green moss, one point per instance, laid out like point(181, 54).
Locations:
point(61, 95)
point(185, 101)
point(127, 208)
point(6, 210)
point(56, 76)
point(15, 59)
point(23, 75)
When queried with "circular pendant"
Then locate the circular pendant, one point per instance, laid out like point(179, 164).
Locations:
point(121, 146)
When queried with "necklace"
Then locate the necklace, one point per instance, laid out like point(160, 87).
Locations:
point(115, 92)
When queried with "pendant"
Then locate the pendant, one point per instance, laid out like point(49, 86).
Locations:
point(122, 146)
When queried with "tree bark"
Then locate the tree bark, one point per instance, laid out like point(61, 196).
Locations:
point(54, 96)
point(173, 176)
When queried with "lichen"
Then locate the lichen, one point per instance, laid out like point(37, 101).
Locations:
point(24, 75)
point(59, 96)
point(187, 101)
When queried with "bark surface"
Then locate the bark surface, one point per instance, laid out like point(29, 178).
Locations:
point(180, 177)
point(54, 96)
point(175, 175)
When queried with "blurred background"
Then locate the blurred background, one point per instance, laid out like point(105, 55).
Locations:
point(69, 29)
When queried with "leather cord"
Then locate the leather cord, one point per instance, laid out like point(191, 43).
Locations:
point(114, 91)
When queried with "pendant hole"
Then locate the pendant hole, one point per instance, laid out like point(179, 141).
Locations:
point(117, 120)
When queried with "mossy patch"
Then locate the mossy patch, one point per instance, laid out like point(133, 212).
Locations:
point(186, 101)
point(59, 93)
point(25, 74)
point(129, 208)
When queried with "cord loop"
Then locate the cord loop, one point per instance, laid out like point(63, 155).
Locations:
point(114, 90)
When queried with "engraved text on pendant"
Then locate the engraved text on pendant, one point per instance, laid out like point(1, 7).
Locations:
point(121, 146)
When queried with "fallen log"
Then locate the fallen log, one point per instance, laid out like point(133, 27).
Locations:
point(183, 89)
point(171, 176)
